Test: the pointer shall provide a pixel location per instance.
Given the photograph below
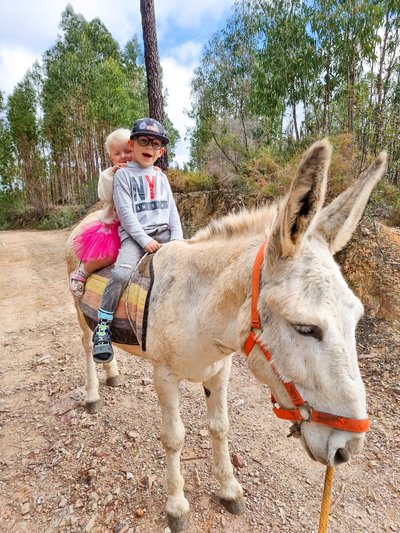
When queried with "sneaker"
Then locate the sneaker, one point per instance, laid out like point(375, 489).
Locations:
point(102, 348)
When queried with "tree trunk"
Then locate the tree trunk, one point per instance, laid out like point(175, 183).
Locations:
point(326, 123)
point(296, 129)
point(153, 69)
point(351, 80)
point(379, 89)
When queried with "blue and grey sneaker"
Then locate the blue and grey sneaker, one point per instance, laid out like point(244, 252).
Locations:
point(102, 348)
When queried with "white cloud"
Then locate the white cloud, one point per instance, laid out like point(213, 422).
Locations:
point(187, 53)
point(14, 63)
point(177, 73)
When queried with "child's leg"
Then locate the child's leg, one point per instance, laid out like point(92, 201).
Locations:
point(97, 264)
point(163, 235)
point(78, 277)
point(77, 280)
point(128, 257)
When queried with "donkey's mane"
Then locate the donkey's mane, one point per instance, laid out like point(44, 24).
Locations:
point(247, 222)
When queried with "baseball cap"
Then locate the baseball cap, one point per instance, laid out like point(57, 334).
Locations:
point(149, 127)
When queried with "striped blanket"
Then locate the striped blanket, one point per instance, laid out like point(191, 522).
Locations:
point(130, 318)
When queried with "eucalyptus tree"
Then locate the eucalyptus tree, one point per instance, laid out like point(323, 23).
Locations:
point(25, 132)
point(287, 61)
point(89, 88)
point(8, 167)
point(347, 33)
point(262, 64)
point(222, 94)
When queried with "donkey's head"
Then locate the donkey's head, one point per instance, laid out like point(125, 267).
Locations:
point(308, 313)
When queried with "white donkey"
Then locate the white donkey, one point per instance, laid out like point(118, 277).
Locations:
point(299, 331)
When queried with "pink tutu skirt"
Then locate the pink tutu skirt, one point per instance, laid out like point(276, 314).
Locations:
point(97, 241)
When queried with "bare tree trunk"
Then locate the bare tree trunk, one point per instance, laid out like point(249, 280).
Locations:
point(326, 122)
point(296, 129)
point(351, 80)
point(246, 143)
point(237, 167)
point(153, 69)
point(379, 90)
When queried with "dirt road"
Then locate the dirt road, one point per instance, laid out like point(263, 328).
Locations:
point(62, 470)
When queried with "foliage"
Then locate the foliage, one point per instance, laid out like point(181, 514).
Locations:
point(189, 181)
point(54, 124)
point(385, 203)
point(265, 176)
point(8, 167)
point(60, 218)
point(86, 93)
point(282, 72)
point(12, 204)
point(19, 216)
point(278, 76)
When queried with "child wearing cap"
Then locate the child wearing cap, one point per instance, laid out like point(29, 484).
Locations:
point(148, 217)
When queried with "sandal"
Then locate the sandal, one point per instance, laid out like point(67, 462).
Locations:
point(77, 284)
point(102, 349)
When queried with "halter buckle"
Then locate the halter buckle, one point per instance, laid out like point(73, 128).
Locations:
point(305, 411)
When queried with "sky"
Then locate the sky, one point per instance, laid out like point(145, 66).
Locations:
point(30, 27)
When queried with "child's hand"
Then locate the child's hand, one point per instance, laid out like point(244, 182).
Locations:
point(152, 247)
point(117, 166)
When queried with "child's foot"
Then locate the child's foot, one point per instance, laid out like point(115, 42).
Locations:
point(102, 348)
point(77, 282)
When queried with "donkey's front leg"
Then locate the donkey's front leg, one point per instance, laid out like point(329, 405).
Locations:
point(92, 399)
point(215, 388)
point(172, 437)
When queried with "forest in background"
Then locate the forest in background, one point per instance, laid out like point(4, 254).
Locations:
point(278, 76)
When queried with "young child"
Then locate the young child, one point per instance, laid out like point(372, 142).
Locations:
point(148, 215)
point(97, 246)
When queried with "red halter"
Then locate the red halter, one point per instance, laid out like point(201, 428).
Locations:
point(309, 414)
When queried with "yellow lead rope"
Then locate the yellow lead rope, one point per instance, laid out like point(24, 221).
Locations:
point(326, 500)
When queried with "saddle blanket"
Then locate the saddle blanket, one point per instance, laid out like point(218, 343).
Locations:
point(130, 318)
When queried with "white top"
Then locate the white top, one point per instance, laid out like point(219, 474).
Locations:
point(105, 192)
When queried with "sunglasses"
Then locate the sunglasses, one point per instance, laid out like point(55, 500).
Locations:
point(145, 141)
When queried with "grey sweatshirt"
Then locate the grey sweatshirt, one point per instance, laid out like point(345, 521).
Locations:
point(144, 202)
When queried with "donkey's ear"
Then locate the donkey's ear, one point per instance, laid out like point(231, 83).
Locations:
point(338, 220)
point(305, 197)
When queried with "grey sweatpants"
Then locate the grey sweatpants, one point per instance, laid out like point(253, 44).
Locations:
point(128, 257)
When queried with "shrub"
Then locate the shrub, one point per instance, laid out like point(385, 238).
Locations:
point(385, 203)
point(12, 204)
point(51, 218)
point(58, 218)
point(189, 180)
point(263, 174)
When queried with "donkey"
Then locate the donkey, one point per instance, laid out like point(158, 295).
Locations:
point(293, 314)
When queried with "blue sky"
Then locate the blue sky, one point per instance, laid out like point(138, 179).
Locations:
point(29, 27)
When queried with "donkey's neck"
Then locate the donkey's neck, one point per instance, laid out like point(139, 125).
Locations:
point(223, 269)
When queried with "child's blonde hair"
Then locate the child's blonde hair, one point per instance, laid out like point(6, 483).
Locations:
point(118, 135)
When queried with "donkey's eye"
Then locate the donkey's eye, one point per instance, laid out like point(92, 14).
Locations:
point(309, 331)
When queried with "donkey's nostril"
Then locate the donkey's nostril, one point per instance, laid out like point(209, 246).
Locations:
point(341, 456)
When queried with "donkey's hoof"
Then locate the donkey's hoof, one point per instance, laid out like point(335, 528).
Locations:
point(93, 407)
point(115, 381)
point(235, 506)
point(178, 524)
